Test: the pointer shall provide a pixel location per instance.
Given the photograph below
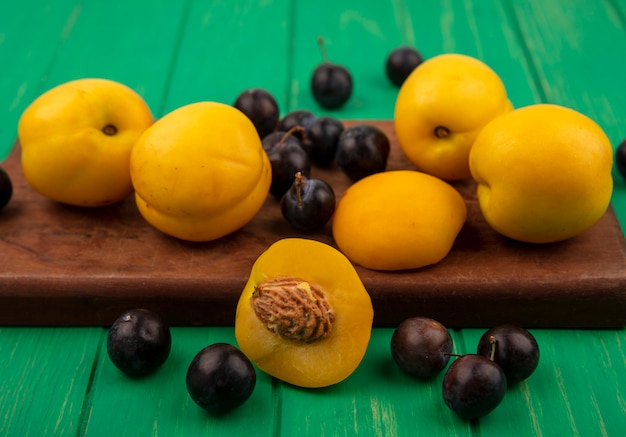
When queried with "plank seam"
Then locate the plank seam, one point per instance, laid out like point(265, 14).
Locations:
point(619, 12)
point(404, 22)
point(533, 68)
point(277, 401)
point(73, 16)
point(291, 47)
point(85, 410)
point(167, 86)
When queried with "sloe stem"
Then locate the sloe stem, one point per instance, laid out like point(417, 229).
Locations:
point(298, 183)
point(441, 132)
point(291, 131)
point(492, 342)
point(109, 129)
point(320, 43)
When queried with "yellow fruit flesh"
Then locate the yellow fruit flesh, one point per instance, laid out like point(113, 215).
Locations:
point(322, 363)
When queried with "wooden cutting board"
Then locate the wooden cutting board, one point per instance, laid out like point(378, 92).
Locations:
point(62, 265)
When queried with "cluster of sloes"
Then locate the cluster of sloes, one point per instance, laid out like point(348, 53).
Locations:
point(301, 140)
point(219, 378)
point(474, 384)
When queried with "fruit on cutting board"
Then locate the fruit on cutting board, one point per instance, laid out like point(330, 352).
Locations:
point(308, 204)
point(261, 108)
point(287, 157)
point(543, 173)
point(319, 135)
point(321, 139)
point(295, 118)
point(362, 150)
point(76, 141)
point(200, 172)
point(396, 220)
point(440, 109)
point(6, 188)
point(304, 315)
point(139, 342)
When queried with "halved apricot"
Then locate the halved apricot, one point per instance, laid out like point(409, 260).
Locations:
point(304, 315)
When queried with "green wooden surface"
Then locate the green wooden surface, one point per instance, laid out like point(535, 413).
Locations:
point(59, 381)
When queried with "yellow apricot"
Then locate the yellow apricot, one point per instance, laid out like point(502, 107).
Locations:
point(543, 173)
point(76, 140)
point(200, 172)
point(440, 109)
point(398, 220)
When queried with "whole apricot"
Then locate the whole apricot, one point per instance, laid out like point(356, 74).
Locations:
point(200, 172)
point(543, 173)
point(397, 220)
point(76, 140)
point(304, 316)
point(440, 109)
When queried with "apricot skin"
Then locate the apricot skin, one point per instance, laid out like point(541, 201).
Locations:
point(398, 220)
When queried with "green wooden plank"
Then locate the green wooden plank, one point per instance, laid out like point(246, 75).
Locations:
point(45, 375)
point(361, 38)
point(483, 30)
point(617, 12)
point(73, 40)
point(490, 32)
point(617, 9)
point(139, 56)
point(357, 37)
point(228, 47)
point(579, 386)
point(26, 56)
point(577, 54)
point(159, 403)
point(378, 399)
point(552, 401)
